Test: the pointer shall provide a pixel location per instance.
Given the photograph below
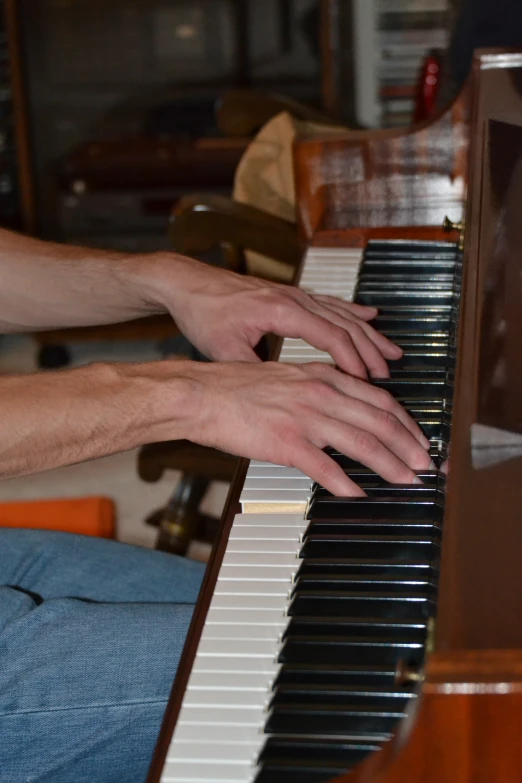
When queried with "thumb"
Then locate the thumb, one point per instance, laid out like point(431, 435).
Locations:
point(236, 350)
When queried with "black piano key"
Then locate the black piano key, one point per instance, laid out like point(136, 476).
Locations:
point(408, 286)
point(350, 650)
point(406, 276)
point(276, 770)
point(383, 490)
point(421, 358)
point(385, 605)
point(372, 583)
point(409, 506)
point(418, 323)
point(317, 749)
point(417, 248)
point(369, 477)
point(415, 388)
point(331, 720)
point(332, 526)
point(368, 674)
point(381, 698)
point(426, 341)
point(377, 567)
point(422, 299)
point(350, 464)
point(377, 546)
point(323, 626)
point(400, 373)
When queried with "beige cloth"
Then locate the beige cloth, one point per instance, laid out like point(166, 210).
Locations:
point(265, 179)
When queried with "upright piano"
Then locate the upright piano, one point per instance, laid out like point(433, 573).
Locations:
point(379, 640)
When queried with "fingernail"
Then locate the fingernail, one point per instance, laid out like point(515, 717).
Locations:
point(417, 480)
point(432, 466)
point(425, 442)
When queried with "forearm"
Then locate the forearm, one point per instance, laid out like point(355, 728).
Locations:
point(48, 286)
point(54, 419)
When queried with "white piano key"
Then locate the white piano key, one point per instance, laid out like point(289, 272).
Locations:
point(213, 772)
point(219, 751)
point(246, 617)
point(224, 664)
point(253, 588)
point(274, 471)
point(255, 561)
point(325, 358)
point(212, 681)
point(215, 733)
point(245, 574)
point(277, 532)
point(237, 716)
point(250, 700)
point(272, 520)
point(255, 463)
point(251, 602)
point(266, 547)
point(241, 631)
point(277, 483)
point(273, 501)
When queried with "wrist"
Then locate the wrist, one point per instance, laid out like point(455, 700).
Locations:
point(159, 276)
point(166, 399)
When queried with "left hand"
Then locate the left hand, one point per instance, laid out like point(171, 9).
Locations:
point(225, 315)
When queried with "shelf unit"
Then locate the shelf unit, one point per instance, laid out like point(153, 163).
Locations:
point(391, 39)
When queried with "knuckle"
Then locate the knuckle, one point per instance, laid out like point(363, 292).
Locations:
point(289, 435)
point(384, 400)
point(343, 337)
point(387, 421)
point(356, 330)
point(315, 388)
point(325, 473)
point(366, 443)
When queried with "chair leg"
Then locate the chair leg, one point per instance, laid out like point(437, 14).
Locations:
point(181, 519)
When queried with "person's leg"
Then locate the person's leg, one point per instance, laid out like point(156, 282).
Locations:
point(61, 565)
point(84, 683)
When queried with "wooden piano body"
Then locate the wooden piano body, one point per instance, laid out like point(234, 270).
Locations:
point(467, 725)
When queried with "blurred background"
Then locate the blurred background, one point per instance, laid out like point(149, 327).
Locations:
point(148, 75)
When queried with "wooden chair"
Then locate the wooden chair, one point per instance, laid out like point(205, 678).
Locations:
point(181, 520)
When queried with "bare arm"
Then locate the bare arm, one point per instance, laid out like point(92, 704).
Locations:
point(275, 412)
point(47, 286)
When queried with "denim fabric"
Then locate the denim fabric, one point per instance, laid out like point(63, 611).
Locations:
point(91, 633)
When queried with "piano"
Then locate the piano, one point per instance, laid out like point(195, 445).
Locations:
point(379, 640)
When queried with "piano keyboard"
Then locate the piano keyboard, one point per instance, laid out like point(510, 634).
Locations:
point(319, 599)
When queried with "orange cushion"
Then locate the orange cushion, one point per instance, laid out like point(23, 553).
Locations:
point(94, 516)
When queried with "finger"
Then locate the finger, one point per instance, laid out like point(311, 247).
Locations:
point(366, 448)
point(235, 351)
point(313, 462)
point(384, 425)
point(295, 321)
point(359, 311)
point(386, 346)
point(367, 350)
point(359, 390)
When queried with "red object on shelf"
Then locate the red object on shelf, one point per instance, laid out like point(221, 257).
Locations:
point(428, 89)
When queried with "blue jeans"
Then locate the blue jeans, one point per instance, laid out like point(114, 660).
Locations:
point(91, 633)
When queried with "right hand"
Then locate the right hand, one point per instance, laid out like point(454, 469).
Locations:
point(287, 414)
